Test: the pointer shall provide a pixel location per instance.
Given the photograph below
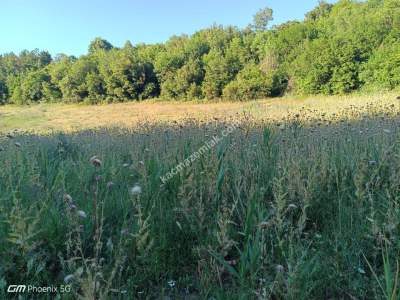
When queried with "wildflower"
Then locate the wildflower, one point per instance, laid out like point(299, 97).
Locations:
point(81, 214)
point(136, 190)
point(68, 278)
point(95, 161)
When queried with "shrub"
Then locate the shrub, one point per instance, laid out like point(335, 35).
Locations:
point(251, 83)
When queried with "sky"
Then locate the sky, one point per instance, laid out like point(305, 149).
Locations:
point(68, 26)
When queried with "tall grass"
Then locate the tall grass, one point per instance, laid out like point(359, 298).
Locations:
point(295, 210)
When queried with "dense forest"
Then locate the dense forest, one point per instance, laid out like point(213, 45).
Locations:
point(337, 49)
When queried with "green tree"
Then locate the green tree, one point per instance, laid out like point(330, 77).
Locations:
point(74, 85)
point(3, 91)
point(32, 85)
point(251, 83)
point(262, 19)
point(217, 74)
point(383, 69)
point(99, 44)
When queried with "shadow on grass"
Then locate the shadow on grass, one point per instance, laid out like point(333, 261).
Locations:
point(282, 211)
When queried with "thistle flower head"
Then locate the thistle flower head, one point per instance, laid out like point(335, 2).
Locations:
point(136, 190)
point(279, 269)
point(68, 199)
point(95, 161)
point(81, 214)
point(68, 278)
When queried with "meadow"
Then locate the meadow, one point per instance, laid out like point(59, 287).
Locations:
point(298, 200)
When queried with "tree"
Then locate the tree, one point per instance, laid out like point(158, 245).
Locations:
point(3, 91)
point(74, 85)
point(186, 84)
point(32, 85)
point(251, 83)
point(383, 69)
point(322, 10)
point(262, 18)
point(337, 49)
point(217, 74)
point(125, 76)
point(99, 44)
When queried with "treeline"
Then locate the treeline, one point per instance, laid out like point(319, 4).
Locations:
point(337, 49)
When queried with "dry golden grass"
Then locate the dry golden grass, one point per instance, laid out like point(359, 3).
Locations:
point(69, 117)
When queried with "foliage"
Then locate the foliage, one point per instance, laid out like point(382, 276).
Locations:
point(251, 83)
point(99, 44)
point(337, 49)
point(383, 69)
point(262, 19)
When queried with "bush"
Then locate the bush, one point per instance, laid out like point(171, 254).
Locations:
point(251, 83)
point(383, 69)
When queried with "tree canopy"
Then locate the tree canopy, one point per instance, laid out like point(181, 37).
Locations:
point(337, 49)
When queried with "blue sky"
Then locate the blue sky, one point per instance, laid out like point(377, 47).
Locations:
point(67, 26)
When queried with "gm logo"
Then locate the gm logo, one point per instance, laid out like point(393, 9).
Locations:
point(16, 288)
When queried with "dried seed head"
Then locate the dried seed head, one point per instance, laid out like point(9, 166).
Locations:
point(279, 269)
point(95, 161)
point(81, 214)
point(110, 184)
point(68, 278)
point(68, 199)
point(136, 190)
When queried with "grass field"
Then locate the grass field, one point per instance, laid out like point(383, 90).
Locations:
point(67, 118)
point(272, 199)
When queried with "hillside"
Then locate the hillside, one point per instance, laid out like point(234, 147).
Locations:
point(336, 49)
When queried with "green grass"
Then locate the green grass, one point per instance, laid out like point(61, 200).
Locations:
point(300, 211)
